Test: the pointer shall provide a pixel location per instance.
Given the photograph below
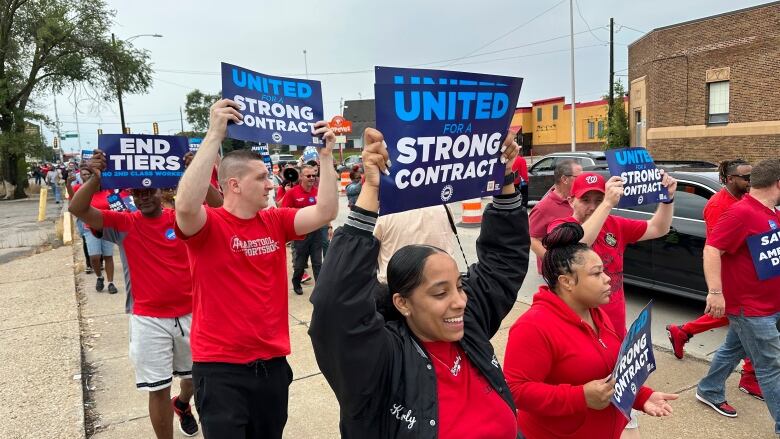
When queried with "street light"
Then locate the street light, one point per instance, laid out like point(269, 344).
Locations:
point(116, 78)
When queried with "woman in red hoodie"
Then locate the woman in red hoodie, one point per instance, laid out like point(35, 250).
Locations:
point(561, 352)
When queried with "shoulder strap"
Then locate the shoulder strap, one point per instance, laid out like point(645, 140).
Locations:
point(455, 231)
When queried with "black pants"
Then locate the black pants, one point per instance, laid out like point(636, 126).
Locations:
point(309, 247)
point(242, 401)
point(523, 188)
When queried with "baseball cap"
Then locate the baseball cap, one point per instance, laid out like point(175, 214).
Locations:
point(586, 182)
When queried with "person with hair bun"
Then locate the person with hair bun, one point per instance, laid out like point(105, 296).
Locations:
point(413, 358)
point(561, 352)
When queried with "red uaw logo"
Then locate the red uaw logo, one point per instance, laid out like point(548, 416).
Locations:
point(591, 179)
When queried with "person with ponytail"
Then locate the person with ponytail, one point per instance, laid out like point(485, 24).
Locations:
point(561, 353)
point(413, 358)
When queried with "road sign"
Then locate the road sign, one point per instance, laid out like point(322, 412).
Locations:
point(70, 135)
point(341, 139)
point(339, 125)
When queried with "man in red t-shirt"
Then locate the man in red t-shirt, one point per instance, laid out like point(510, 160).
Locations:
point(240, 334)
point(554, 205)
point(159, 296)
point(300, 196)
point(735, 176)
point(592, 200)
point(752, 305)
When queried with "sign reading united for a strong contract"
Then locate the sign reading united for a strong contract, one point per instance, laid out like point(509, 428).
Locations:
point(641, 179)
point(635, 362)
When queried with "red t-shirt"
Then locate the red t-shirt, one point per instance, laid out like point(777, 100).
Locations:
point(521, 166)
point(239, 286)
point(298, 198)
point(469, 407)
point(550, 208)
point(616, 234)
point(157, 272)
point(100, 199)
point(743, 292)
point(716, 205)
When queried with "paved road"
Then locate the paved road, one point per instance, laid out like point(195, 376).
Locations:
point(20, 232)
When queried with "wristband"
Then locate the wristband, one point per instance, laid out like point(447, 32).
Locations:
point(670, 201)
point(716, 292)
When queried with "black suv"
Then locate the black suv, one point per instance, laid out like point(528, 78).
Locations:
point(541, 177)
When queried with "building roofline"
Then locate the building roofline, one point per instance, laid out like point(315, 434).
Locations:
point(697, 20)
point(548, 100)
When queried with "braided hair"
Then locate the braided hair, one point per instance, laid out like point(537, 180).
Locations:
point(563, 250)
point(729, 167)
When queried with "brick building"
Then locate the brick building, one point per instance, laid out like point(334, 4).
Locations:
point(708, 88)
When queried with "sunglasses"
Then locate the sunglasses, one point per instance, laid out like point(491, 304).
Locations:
point(309, 176)
point(745, 177)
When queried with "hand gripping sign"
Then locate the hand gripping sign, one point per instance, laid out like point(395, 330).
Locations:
point(142, 161)
point(641, 179)
point(765, 251)
point(274, 109)
point(635, 362)
point(444, 132)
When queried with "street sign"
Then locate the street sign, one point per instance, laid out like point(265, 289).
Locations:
point(71, 136)
point(339, 125)
point(341, 139)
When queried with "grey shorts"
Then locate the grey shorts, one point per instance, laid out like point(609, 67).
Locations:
point(160, 350)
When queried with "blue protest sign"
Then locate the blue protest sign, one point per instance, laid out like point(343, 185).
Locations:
point(641, 179)
point(195, 143)
point(274, 109)
point(310, 154)
point(444, 132)
point(142, 161)
point(86, 154)
point(262, 149)
point(635, 362)
point(765, 251)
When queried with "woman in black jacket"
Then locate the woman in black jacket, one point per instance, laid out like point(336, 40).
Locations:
point(431, 373)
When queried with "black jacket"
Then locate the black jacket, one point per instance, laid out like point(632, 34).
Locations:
point(381, 375)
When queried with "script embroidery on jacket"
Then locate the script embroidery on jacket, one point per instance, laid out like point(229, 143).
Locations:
point(398, 412)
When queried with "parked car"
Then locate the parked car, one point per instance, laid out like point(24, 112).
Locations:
point(282, 158)
point(349, 162)
point(673, 263)
point(541, 173)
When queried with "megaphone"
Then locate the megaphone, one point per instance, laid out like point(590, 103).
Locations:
point(290, 175)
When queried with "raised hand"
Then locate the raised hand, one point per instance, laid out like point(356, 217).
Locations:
point(321, 129)
point(375, 158)
point(222, 112)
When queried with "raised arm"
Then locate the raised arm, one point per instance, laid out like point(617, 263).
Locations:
point(350, 342)
point(312, 218)
point(660, 223)
point(493, 282)
point(613, 190)
point(194, 184)
point(80, 202)
point(213, 196)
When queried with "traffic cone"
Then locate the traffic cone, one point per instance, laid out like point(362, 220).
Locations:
point(345, 181)
point(472, 213)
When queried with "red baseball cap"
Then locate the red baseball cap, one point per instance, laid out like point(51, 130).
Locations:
point(586, 182)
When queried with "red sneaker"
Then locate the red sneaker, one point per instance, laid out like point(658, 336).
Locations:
point(749, 385)
point(723, 407)
point(187, 423)
point(678, 338)
point(305, 278)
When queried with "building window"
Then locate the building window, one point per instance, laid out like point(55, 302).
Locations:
point(591, 129)
point(555, 112)
point(601, 129)
point(719, 102)
point(538, 114)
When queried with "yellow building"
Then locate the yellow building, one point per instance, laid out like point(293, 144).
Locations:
point(546, 125)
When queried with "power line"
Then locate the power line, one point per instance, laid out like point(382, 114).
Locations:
point(577, 3)
point(630, 28)
point(526, 56)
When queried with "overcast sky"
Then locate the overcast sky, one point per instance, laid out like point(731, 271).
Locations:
point(344, 39)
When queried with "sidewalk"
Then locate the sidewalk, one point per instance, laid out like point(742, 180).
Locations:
point(20, 232)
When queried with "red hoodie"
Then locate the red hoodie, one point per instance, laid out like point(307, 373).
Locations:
point(551, 354)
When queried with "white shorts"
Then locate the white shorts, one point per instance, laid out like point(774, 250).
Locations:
point(160, 349)
point(633, 423)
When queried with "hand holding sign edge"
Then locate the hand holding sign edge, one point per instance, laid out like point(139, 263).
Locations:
point(222, 112)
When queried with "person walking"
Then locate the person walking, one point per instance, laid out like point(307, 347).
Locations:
point(53, 178)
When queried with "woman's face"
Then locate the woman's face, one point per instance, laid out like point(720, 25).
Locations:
point(434, 310)
point(588, 284)
point(85, 174)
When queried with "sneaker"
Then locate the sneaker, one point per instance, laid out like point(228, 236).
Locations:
point(678, 338)
point(88, 270)
point(299, 291)
point(723, 408)
point(305, 278)
point(112, 288)
point(749, 385)
point(99, 285)
point(187, 423)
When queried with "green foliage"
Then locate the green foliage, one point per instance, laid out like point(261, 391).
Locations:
point(47, 45)
point(617, 132)
point(197, 109)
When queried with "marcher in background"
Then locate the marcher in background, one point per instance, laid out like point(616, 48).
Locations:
point(735, 176)
point(53, 178)
point(240, 333)
point(425, 367)
point(751, 305)
point(159, 297)
point(85, 173)
point(561, 352)
point(353, 189)
point(521, 181)
point(554, 205)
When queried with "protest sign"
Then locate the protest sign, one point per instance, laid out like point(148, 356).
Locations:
point(274, 109)
point(142, 161)
point(641, 179)
point(444, 132)
point(765, 251)
point(635, 362)
point(86, 154)
point(195, 143)
point(262, 149)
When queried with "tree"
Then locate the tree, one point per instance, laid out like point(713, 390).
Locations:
point(617, 132)
point(47, 45)
point(197, 109)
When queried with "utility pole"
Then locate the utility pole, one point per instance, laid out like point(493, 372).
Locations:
point(181, 118)
point(611, 69)
point(573, 95)
point(76, 114)
point(118, 90)
point(57, 128)
point(305, 63)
